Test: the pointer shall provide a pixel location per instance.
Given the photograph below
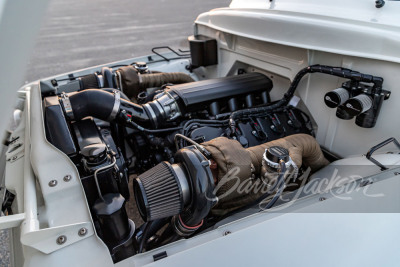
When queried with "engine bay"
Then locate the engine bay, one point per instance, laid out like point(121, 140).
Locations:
point(176, 148)
point(272, 137)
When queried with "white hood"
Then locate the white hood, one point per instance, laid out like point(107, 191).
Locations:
point(19, 24)
point(354, 28)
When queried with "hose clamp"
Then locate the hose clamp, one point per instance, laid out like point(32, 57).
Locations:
point(67, 106)
point(295, 169)
point(289, 164)
point(184, 230)
point(117, 103)
point(167, 106)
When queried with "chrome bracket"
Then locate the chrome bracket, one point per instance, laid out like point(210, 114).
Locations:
point(117, 103)
point(67, 106)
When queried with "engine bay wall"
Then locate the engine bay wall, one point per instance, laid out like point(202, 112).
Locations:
point(339, 136)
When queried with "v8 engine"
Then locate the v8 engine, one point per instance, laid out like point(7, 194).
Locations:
point(172, 144)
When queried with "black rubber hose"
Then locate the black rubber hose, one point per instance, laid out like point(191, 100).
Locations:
point(203, 121)
point(111, 90)
point(89, 81)
point(100, 104)
point(334, 71)
point(159, 79)
point(284, 101)
point(145, 236)
point(130, 123)
point(92, 102)
point(150, 229)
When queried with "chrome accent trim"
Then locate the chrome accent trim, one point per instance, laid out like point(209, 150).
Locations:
point(117, 103)
point(167, 106)
point(119, 79)
point(100, 80)
point(290, 163)
point(149, 109)
point(160, 108)
point(180, 174)
point(67, 106)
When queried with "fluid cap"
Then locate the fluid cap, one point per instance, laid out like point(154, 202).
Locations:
point(275, 154)
point(94, 153)
point(272, 158)
point(141, 67)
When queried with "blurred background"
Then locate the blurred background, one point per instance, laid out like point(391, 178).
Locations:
point(77, 34)
point(82, 33)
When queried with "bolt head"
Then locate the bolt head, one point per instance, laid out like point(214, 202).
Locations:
point(61, 239)
point(53, 183)
point(227, 232)
point(365, 183)
point(82, 232)
point(379, 3)
point(67, 178)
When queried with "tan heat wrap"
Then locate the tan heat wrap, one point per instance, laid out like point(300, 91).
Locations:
point(133, 83)
point(236, 165)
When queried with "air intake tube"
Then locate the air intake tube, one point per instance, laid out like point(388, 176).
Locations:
point(100, 104)
point(167, 106)
point(107, 106)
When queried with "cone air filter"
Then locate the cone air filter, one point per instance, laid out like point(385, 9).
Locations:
point(158, 192)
